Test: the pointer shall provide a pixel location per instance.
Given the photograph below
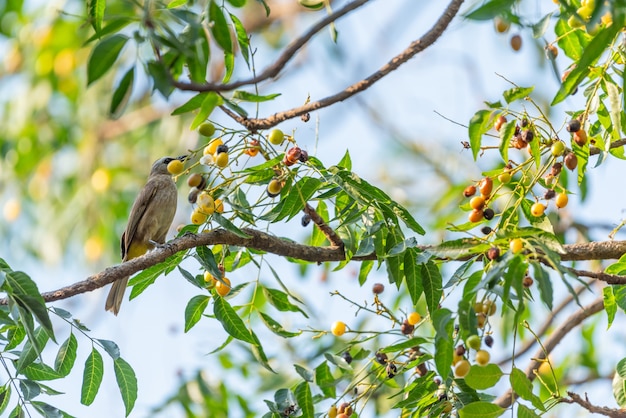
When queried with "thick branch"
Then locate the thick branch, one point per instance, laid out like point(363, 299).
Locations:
point(605, 277)
point(273, 70)
point(280, 246)
point(551, 342)
point(413, 49)
point(602, 410)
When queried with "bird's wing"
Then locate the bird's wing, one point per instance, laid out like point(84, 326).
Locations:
point(136, 214)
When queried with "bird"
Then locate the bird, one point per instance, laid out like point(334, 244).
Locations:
point(150, 218)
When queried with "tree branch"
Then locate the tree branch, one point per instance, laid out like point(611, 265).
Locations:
point(602, 410)
point(413, 49)
point(550, 343)
point(273, 70)
point(279, 246)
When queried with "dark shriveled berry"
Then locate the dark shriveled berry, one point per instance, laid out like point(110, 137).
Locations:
point(305, 117)
point(573, 126)
point(486, 229)
point(306, 220)
point(193, 195)
point(493, 253)
point(524, 123)
point(304, 156)
point(221, 148)
point(527, 135)
point(528, 281)
point(347, 357)
point(391, 370)
point(488, 214)
point(556, 169)
point(378, 288)
point(549, 194)
point(406, 328)
point(381, 358)
point(488, 341)
point(421, 369)
point(460, 350)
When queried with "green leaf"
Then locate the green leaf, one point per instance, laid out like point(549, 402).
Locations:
point(103, 55)
point(267, 8)
point(66, 356)
point(610, 306)
point(237, 3)
point(249, 97)
point(25, 292)
point(483, 377)
point(506, 134)
point(540, 27)
point(259, 354)
point(127, 382)
point(459, 248)
point(305, 400)
point(242, 38)
point(176, 3)
point(481, 409)
point(525, 412)
point(113, 26)
point(432, 284)
point(40, 372)
point(205, 256)
point(276, 327)
point(444, 326)
point(228, 225)
point(599, 43)
point(209, 103)
point(280, 300)
point(229, 65)
point(146, 278)
point(219, 27)
point(490, 9)
point(620, 295)
point(619, 383)
point(479, 124)
point(96, 13)
point(231, 322)
point(5, 397)
point(516, 93)
point(110, 347)
point(192, 104)
point(194, 310)
point(415, 341)
point(92, 377)
point(524, 388)
point(48, 410)
point(29, 390)
point(569, 40)
point(325, 380)
point(122, 93)
point(33, 348)
point(413, 275)
point(364, 270)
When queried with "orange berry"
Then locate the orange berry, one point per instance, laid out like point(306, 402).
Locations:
point(338, 328)
point(413, 318)
point(500, 120)
point(561, 200)
point(537, 209)
point(516, 42)
point(475, 216)
point(477, 203)
point(516, 245)
point(223, 287)
point(486, 186)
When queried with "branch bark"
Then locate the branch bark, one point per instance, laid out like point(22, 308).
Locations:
point(594, 409)
point(279, 246)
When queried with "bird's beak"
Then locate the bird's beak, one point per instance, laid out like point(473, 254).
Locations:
point(182, 157)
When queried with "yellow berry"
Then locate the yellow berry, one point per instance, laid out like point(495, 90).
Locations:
point(516, 245)
point(561, 200)
point(274, 187)
point(222, 287)
point(413, 318)
point(473, 341)
point(175, 167)
point(505, 177)
point(221, 159)
point(477, 202)
point(206, 203)
point(461, 369)
point(276, 137)
point(219, 206)
point(482, 357)
point(212, 147)
point(198, 218)
point(537, 209)
point(338, 328)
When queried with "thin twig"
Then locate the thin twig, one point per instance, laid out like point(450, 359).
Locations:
point(413, 49)
point(273, 70)
point(545, 326)
point(328, 232)
point(550, 343)
point(602, 410)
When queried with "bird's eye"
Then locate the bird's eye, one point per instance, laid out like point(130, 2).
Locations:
point(168, 160)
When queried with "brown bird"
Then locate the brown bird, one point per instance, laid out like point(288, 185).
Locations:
point(150, 219)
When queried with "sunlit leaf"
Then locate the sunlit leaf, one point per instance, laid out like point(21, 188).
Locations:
point(194, 310)
point(127, 383)
point(103, 55)
point(92, 377)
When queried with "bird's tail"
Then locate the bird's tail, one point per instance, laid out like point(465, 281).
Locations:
point(116, 296)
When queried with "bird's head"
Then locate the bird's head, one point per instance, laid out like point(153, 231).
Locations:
point(160, 165)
